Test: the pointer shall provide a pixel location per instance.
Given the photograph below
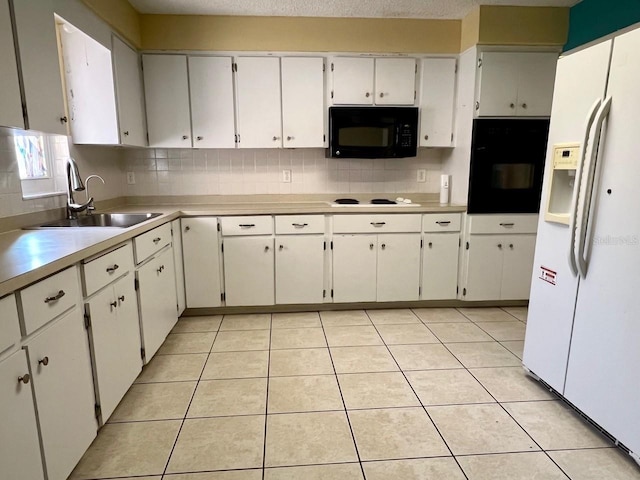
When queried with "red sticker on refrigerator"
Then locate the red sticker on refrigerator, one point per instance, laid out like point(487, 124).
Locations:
point(548, 275)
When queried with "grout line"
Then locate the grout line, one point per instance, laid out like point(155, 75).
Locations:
point(266, 401)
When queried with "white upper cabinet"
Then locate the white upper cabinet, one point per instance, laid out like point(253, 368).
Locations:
point(258, 110)
point(91, 99)
point(352, 80)
point(437, 94)
point(515, 83)
point(395, 81)
point(128, 80)
point(167, 100)
point(36, 32)
point(211, 87)
point(10, 101)
point(303, 110)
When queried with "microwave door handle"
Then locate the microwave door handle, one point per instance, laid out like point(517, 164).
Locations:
point(573, 213)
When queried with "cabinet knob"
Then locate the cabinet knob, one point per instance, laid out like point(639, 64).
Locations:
point(113, 268)
point(156, 240)
point(381, 94)
point(524, 105)
point(55, 298)
point(430, 244)
point(199, 138)
point(185, 137)
point(500, 245)
point(126, 133)
point(121, 298)
point(371, 246)
point(512, 105)
point(511, 246)
point(64, 119)
point(160, 269)
point(113, 305)
point(281, 247)
point(44, 361)
point(187, 228)
point(266, 249)
point(289, 138)
point(24, 378)
point(384, 246)
point(477, 106)
point(426, 137)
point(275, 139)
point(367, 94)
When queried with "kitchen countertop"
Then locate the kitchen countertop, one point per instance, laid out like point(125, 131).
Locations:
point(27, 256)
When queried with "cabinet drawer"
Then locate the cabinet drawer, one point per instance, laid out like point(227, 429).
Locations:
point(503, 223)
point(9, 323)
point(259, 225)
point(292, 224)
point(149, 243)
point(383, 223)
point(45, 300)
point(444, 222)
point(102, 270)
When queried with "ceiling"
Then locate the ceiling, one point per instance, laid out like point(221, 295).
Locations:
point(441, 9)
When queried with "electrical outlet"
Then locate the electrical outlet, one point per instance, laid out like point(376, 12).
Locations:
point(286, 176)
point(421, 176)
point(131, 178)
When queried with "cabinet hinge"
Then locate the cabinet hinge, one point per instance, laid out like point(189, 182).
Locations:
point(147, 137)
point(415, 94)
point(324, 138)
point(331, 244)
point(457, 289)
point(455, 70)
point(332, 293)
point(98, 410)
point(452, 137)
point(331, 93)
point(218, 226)
point(324, 67)
point(222, 247)
point(325, 245)
point(479, 62)
point(477, 106)
point(464, 292)
point(234, 67)
point(332, 66)
point(136, 284)
point(87, 321)
point(177, 308)
point(467, 246)
point(459, 242)
point(324, 293)
point(223, 296)
point(416, 68)
point(419, 291)
point(421, 243)
point(143, 354)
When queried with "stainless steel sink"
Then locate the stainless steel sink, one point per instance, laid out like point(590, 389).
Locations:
point(118, 220)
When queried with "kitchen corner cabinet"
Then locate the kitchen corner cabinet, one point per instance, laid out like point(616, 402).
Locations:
point(258, 102)
point(303, 97)
point(437, 95)
point(10, 100)
point(201, 257)
point(167, 100)
point(60, 368)
point(35, 29)
point(515, 84)
point(212, 111)
point(129, 93)
point(90, 91)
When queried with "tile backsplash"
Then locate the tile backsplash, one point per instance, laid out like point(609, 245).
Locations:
point(259, 171)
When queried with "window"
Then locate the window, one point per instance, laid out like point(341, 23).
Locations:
point(41, 162)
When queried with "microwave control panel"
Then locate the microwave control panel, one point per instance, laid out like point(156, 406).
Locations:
point(406, 136)
point(565, 156)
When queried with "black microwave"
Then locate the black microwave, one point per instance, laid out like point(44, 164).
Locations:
point(373, 132)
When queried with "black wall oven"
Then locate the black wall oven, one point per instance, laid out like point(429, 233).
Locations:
point(507, 165)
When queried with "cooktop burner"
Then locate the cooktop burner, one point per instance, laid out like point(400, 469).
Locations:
point(347, 201)
point(382, 201)
point(376, 202)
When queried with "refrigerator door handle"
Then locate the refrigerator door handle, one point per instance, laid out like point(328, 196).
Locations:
point(584, 212)
point(573, 213)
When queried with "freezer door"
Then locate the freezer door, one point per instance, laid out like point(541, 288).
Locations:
point(602, 377)
point(581, 79)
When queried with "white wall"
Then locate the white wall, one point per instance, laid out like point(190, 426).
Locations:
point(259, 171)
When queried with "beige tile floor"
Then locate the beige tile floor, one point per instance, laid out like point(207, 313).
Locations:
point(384, 394)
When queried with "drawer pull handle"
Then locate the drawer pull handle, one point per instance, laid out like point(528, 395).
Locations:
point(157, 239)
point(44, 361)
point(160, 269)
point(507, 225)
point(24, 378)
point(113, 305)
point(246, 225)
point(378, 224)
point(113, 268)
point(121, 298)
point(300, 225)
point(55, 298)
point(187, 228)
point(443, 223)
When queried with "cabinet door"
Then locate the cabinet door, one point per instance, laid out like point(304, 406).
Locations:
point(201, 257)
point(249, 271)
point(10, 99)
point(498, 87)
point(211, 88)
point(440, 266)
point(398, 267)
point(156, 296)
point(20, 453)
point(437, 94)
point(517, 267)
point(299, 268)
point(176, 237)
point(91, 98)
point(64, 393)
point(129, 332)
point(536, 76)
point(395, 81)
point(354, 268)
point(259, 109)
point(303, 102)
point(484, 267)
point(167, 98)
point(352, 81)
point(128, 78)
point(37, 43)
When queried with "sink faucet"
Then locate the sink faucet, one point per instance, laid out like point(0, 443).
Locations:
point(74, 184)
point(90, 207)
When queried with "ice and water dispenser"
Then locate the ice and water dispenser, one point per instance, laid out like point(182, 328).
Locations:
point(565, 163)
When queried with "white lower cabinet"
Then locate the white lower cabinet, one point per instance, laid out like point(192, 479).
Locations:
point(249, 270)
point(201, 257)
point(398, 268)
point(60, 367)
point(157, 300)
point(517, 266)
point(115, 339)
point(440, 266)
point(354, 268)
point(299, 269)
point(20, 452)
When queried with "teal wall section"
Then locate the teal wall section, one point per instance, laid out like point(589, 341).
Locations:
point(592, 19)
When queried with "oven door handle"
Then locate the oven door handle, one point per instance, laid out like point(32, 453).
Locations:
point(573, 213)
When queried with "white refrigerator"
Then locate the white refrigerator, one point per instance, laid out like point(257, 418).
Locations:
point(583, 330)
